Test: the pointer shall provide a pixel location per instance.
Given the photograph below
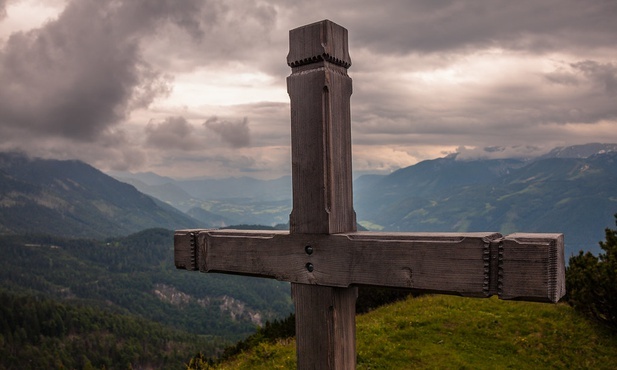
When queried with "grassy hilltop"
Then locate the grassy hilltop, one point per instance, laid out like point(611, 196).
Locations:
point(445, 332)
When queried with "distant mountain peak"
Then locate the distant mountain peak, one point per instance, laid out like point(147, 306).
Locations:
point(580, 151)
point(72, 198)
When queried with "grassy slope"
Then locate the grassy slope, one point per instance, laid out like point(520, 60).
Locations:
point(444, 332)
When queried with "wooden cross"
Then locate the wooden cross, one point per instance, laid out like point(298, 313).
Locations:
point(323, 256)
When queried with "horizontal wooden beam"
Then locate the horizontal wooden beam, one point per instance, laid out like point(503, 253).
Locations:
point(518, 266)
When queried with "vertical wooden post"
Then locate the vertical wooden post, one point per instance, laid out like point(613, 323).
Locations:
point(320, 91)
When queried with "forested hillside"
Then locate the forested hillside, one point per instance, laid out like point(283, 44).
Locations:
point(136, 275)
point(40, 333)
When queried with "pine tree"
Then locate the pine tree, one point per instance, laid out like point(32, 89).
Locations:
point(592, 281)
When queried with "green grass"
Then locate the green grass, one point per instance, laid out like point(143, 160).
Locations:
point(444, 332)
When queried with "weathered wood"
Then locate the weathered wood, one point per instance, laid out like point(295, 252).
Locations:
point(533, 265)
point(325, 258)
point(185, 249)
point(319, 91)
point(327, 327)
point(518, 266)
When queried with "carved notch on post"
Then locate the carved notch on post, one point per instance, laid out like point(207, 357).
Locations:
point(320, 91)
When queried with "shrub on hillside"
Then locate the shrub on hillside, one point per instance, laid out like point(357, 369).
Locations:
point(591, 281)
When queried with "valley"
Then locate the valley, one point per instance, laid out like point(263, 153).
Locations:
point(73, 236)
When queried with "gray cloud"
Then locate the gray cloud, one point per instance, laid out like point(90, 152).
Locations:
point(603, 74)
point(269, 124)
point(78, 76)
point(92, 84)
point(216, 32)
point(496, 152)
point(511, 109)
point(82, 74)
point(174, 133)
point(432, 26)
point(237, 134)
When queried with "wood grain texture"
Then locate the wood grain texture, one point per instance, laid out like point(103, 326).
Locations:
point(325, 337)
point(532, 267)
point(320, 90)
point(518, 266)
point(320, 94)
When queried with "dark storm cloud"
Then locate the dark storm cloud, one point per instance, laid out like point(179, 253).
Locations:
point(236, 134)
point(83, 73)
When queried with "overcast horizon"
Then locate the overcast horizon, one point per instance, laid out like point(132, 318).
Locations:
point(197, 88)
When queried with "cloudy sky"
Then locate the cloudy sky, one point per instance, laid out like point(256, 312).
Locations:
point(197, 87)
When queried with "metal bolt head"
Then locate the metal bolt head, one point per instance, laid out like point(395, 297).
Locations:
point(308, 249)
point(309, 267)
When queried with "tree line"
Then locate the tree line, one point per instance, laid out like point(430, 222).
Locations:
point(40, 333)
point(591, 281)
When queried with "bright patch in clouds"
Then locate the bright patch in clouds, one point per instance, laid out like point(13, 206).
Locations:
point(225, 87)
point(24, 15)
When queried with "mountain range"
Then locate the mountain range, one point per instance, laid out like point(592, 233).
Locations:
point(576, 196)
point(71, 198)
point(572, 190)
point(219, 202)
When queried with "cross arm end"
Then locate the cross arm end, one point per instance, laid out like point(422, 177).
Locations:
point(532, 267)
point(185, 249)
